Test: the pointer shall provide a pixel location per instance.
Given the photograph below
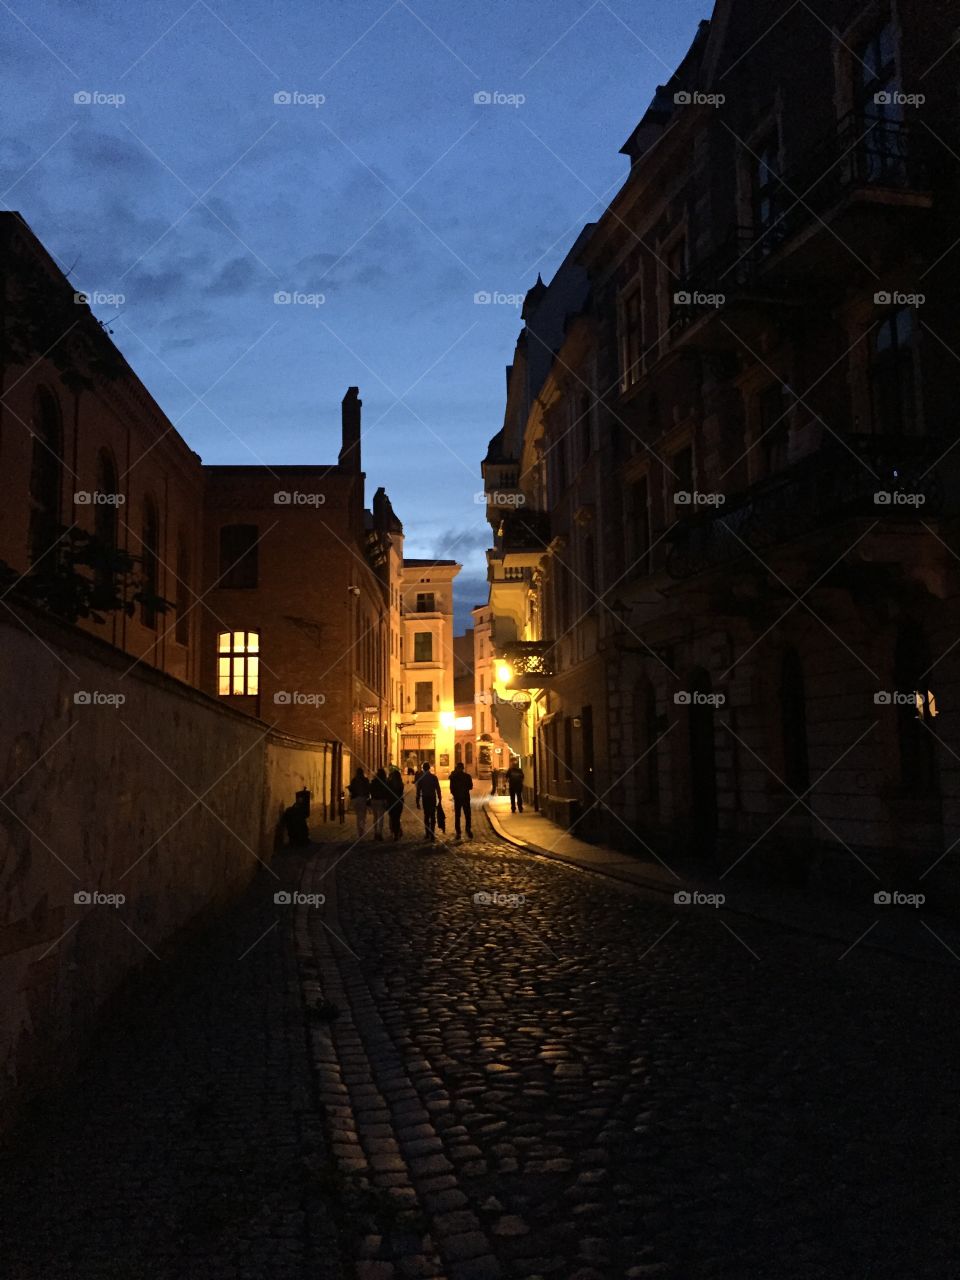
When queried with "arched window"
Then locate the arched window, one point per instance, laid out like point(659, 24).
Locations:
point(793, 723)
point(457, 753)
point(45, 474)
point(182, 627)
point(468, 752)
point(916, 712)
point(150, 561)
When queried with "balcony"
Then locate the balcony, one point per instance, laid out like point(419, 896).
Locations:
point(848, 184)
point(832, 485)
point(523, 532)
point(530, 659)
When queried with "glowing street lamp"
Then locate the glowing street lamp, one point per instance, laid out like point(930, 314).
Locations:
point(504, 672)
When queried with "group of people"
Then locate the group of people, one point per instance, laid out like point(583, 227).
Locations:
point(382, 795)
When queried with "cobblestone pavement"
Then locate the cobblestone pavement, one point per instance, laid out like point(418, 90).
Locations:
point(569, 1079)
point(600, 1084)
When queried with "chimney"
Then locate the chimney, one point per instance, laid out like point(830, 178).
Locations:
point(350, 407)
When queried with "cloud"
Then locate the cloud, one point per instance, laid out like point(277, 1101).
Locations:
point(236, 276)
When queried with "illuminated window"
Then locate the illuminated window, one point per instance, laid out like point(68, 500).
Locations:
point(238, 663)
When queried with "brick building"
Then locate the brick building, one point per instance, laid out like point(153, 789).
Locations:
point(283, 590)
point(728, 578)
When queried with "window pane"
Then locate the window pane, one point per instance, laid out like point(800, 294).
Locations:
point(239, 641)
point(253, 642)
point(223, 674)
point(224, 642)
point(253, 675)
point(237, 682)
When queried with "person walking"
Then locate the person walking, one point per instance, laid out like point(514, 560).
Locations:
point(515, 785)
point(359, 789)
point(395, 812)
point(494, 779)
point(461, 784)
point(381, 798)
point(428, 797)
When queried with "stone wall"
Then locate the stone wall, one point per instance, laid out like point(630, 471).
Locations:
point(118, 783)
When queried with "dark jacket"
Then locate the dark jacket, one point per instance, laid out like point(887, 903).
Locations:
point(461, 784)
point(395, 783)
point(359, 789)
point(380, 790)
point(428, 789)
point(515, 778)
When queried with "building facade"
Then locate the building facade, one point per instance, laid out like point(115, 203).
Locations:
point(427, 729)
point(724, 563)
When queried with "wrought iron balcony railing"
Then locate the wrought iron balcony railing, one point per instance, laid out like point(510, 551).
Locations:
point(524, 530)
point(860, 153)
point(529, 657)
point(878, 477)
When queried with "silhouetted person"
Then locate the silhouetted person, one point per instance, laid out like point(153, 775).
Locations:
point(494, 779)
point(461, 784)
point(515, 784)
point(381, 797)
point(295, 824)
point(359, 789)
point(395, 783)
point(428, 797)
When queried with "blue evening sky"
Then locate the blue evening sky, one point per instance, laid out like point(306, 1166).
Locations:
point(397, 199)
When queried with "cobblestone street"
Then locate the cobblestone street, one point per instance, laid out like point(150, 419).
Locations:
point(563, 1078)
